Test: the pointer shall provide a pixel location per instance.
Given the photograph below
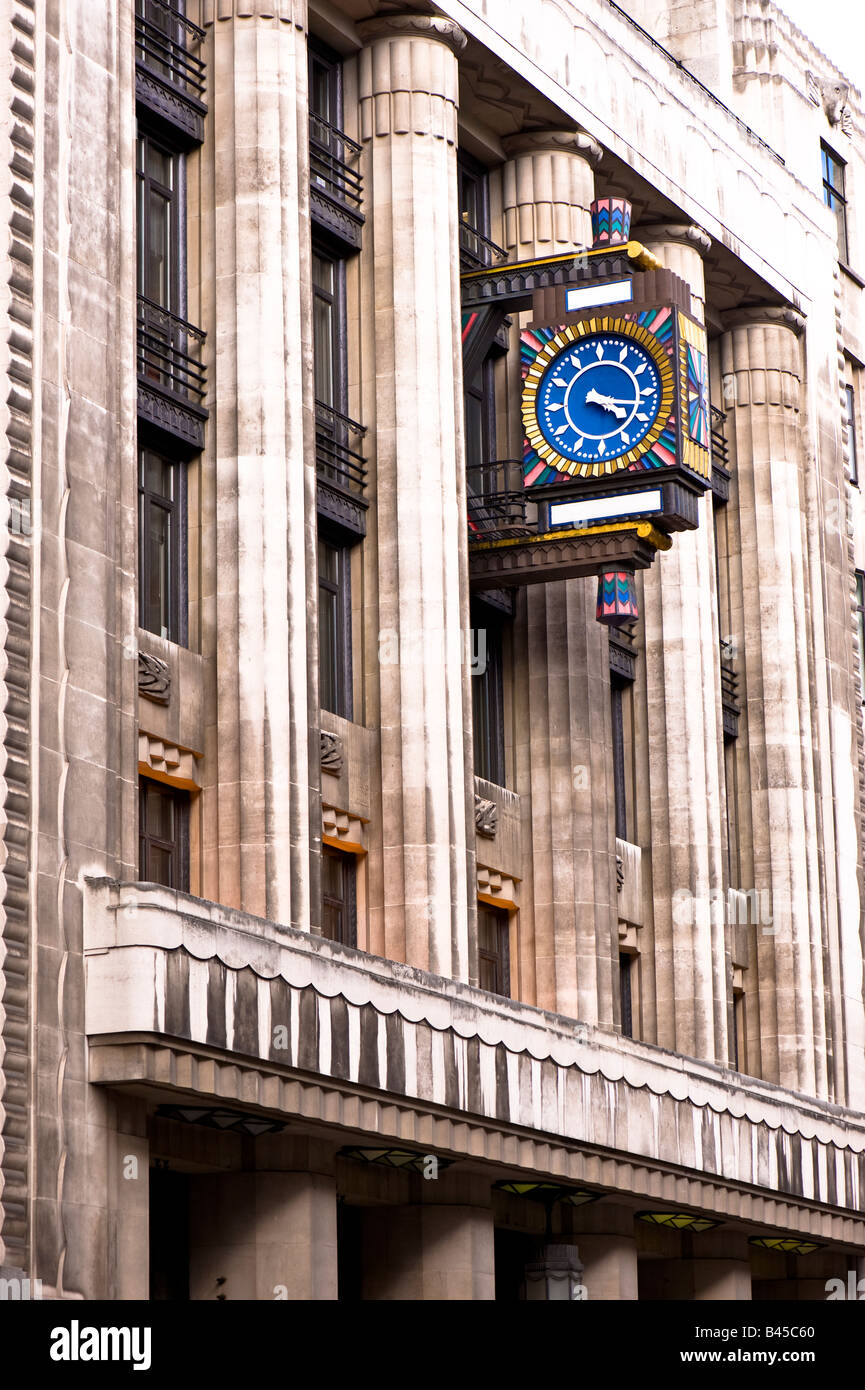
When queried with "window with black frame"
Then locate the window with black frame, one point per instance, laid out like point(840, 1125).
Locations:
point(477, 250)
point(338, 896)
point(163, 834)
point(160, 532)
point(158, 223)
point(835, 195)
point(850, 421)
point(488, 694)
point(620, 696)
point(494, 950)
point(334, 627)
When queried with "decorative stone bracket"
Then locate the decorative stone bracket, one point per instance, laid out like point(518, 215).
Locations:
point(167, 763)
point(497, 889)
point(342, 830)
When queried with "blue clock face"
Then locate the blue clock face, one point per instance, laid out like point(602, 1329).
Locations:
point(598, 398)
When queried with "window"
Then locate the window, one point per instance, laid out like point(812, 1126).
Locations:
point(480, 417)
point(488, 696)
point(338, 897)
point(740, 1062)
point(623, 759)
point(834, 195)
point(163, 834)
point(325, 94)
point(158, 225)
point(860, 624)
point(328, 330)
point(626, 965)
point(494, 950)
point(475, 246)
point(850, 401)
point(160, 588)
point(334, 628)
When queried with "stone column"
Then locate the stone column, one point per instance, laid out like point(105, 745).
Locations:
point(720, 1267)
point(761, 362)
point(608, 1250)
point(268, 1234)
point(442, 1249)
point(260, 504)
point(418, 684)
point(562, 698)
point(684, 755)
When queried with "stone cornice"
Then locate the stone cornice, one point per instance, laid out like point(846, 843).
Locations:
point(287, 11)
point(413, 26)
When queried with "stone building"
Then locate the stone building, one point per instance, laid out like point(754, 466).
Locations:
point(378, 924)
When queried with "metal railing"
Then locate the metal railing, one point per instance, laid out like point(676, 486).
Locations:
point(335, 460)
point(730, 707)
point(331, 155)
point(162, 36)
point(718, 431)
point(478, 252)
point(169, 351)
point(497, 503)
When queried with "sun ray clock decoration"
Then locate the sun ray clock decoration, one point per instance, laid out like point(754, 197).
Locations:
point(615, 412)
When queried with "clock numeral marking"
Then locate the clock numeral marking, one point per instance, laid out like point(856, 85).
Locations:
point(626, 438)
point(557, 405)
point(559, 381)
point(599, 351)
point(579, 442)
point(641, 368)
point(641, 416)
point(602, 446)
point(561, 430)
point(623, 354)
point(575, 359)
point(647, 391)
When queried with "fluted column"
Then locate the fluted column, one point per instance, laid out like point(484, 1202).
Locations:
point(562, 697)
point(417, 684)
point(686, 976)
point(259, 488)
point(761, 362)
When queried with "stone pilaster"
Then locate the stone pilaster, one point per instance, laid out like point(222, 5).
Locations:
point(259, 493)
point(417, 683)
point(685, 978)
point(761, 362)
point(441, 1249)
point(563, 702)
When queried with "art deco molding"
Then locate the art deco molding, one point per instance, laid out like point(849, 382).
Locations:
point(499, 890)
point(154, 678)
point(486, 817)
point(167, 763)
point(575, 142)
point(685, 233)
point(342, 830)
point(411, 26)
point(332, 755)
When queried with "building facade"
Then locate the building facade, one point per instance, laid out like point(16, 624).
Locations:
point(377, 923)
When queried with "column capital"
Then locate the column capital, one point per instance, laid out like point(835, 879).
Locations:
point(413, 26)
point(771, 315)
point(288, 11)
point(553, 141)
point(683, 233)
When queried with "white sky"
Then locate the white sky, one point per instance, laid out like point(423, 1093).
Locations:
point(835, 26)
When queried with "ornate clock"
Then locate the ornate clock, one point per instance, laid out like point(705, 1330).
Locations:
point(594, 399)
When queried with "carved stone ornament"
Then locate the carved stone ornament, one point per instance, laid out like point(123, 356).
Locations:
point(154, 679)
point(411, 26)
point(620, 873)
point(832, 95)
point(332, 756)
point(687, 233)
point(486, 817)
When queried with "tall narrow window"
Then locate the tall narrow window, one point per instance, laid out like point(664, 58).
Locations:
point(158, 229)
point(618, 696)
point(338, 897)
point(850, 402)
point(159, 549)
point(476, 248)
point(740, 1061)
point(163, 834)
point(626, 966)
point(494, 950)
point(334, 628)
point(834, 195)
point(327, 330)
point(488, 696)
point(860, 625)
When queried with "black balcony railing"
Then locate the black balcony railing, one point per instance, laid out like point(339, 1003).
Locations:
point(336, 460)
point(497, 503)
point(720, 455)
point(169, 353)
point(162, 39)
point(478, 252)
point(331, 156)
